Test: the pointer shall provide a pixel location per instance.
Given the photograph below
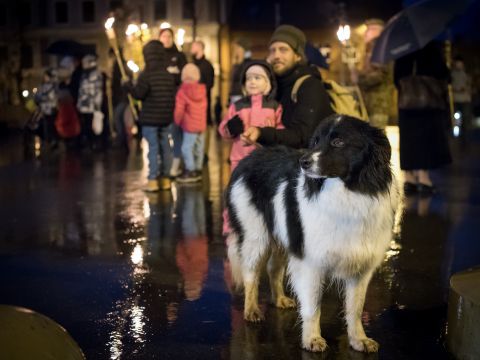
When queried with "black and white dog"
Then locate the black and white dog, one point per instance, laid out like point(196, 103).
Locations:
point(330, 210)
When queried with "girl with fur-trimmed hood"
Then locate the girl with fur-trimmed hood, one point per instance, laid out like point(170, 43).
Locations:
point(258, 108)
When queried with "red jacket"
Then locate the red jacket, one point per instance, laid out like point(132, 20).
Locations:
point(191, 107)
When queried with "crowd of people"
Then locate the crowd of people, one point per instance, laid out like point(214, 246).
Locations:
point(279, 100)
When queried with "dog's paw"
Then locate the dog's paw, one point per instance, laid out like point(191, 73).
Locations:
point(316, 344)
point(253, 315)
point(364, 345)
point(284, 302)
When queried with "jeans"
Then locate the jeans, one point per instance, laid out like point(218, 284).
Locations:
point(159, 150)
point(192, 150)
point(177, 140)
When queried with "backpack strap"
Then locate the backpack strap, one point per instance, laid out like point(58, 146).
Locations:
point(296, 87)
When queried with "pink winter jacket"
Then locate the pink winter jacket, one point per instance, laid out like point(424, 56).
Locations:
point(254, 111)
point(191, 107)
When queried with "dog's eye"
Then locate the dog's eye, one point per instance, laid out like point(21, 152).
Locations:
point(337, 142)
point(315, 141)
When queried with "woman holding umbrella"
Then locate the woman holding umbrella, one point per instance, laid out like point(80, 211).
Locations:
point(423, 120)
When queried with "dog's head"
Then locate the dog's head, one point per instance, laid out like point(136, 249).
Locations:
point(352, 150)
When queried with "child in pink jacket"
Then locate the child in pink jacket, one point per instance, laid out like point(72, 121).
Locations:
point(191, 115)
point(258, 108)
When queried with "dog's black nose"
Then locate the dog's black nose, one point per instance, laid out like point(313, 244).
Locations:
point(306, 162)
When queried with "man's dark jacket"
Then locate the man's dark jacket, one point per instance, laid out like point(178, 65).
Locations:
point(207, 77)
point(155, 87)
point(301, 118)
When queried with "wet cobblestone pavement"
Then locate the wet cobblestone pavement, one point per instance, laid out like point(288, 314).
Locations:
point(132, 275)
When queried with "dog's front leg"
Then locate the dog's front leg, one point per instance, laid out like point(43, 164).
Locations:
point(355, 291)
point(307, 283)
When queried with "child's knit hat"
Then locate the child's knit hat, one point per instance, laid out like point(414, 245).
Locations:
point(190, 72)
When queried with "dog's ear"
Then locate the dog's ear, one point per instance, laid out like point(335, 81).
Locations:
point(370, 168)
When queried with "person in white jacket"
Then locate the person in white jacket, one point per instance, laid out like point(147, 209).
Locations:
point(90, 95)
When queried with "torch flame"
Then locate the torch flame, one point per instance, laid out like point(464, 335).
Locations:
point(132, 66)
point(131, 29)
point(109, 23)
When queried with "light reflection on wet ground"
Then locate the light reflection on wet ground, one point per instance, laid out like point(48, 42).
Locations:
point(143, 276)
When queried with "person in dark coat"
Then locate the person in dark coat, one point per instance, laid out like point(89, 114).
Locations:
point(156, 88)
point(300, 118)
point(119, 102)
point(241, 56)
point(176, 60)
point(423, 132)
point(207, 73)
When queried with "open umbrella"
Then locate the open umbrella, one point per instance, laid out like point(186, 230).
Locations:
point(412, 28)
point(70, 48)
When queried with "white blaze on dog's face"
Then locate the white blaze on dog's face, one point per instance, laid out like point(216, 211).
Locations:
point(334, 150)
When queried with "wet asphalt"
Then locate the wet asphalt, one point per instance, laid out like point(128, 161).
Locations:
point(132, 275)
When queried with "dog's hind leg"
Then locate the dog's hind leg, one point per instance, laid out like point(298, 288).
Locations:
point(355, 291)
point(307, 281)
point(276, 272)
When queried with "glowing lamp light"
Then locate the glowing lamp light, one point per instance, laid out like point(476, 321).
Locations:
point(132, 66)
point(343, 33)
point(132, 29)
point(457, 115)
point(137, 255)
point(180, 36)
point(144, 26)
point(456, 131)
point(165, 25)
point(25, 93)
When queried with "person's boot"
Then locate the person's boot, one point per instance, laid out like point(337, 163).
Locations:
point(165, 183)
point(152, 186)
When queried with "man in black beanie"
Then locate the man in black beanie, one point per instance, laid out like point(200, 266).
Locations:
point(312, 104)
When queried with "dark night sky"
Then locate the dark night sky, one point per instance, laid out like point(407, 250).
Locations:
point(255, 14)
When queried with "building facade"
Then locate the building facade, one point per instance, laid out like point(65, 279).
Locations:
point(27, 28)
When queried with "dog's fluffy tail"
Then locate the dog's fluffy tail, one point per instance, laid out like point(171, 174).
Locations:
point(235, 261)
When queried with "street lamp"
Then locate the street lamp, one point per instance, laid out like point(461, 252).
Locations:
point(343, 33)
point(349, 54)
point(180, 37)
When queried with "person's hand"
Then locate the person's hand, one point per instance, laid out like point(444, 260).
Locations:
point(173, 69)
point(250, 136)
point(235, 126)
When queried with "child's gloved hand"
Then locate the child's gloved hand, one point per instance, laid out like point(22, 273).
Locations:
point(235, 126)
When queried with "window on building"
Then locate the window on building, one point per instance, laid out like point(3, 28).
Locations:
point(61, 12)
point(188, 9)
point(25, 12)
point(160, 11)
point(42, 13)
point(88, 11)
point(3, 16)
point(45, 56)
point(26, 53)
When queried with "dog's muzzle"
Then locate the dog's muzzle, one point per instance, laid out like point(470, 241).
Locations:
point(306, 161)
point(309, 165)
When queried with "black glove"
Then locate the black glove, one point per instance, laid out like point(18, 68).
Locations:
point(235, 126)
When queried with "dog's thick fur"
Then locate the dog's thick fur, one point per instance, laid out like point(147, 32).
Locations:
point(330, 210)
